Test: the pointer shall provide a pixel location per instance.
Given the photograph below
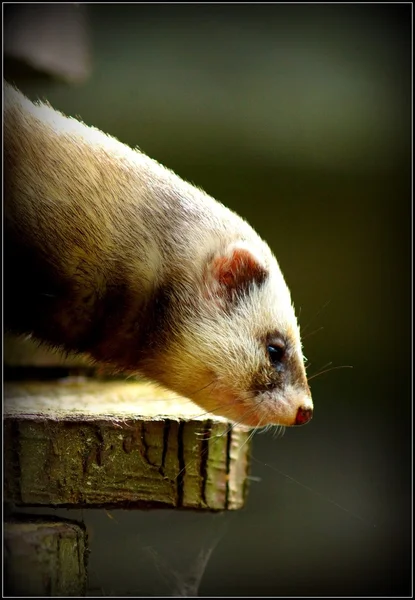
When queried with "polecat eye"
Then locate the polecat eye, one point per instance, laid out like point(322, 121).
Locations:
point(276, 354)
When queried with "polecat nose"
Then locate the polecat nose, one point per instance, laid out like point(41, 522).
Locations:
point(304, 415)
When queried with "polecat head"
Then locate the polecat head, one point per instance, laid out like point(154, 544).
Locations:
point(236, 350)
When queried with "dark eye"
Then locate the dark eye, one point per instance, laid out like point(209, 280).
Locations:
point(276, 353)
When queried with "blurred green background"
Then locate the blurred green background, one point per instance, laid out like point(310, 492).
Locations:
point(298, 117)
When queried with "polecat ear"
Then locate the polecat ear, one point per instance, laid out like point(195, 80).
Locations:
point(233, 270)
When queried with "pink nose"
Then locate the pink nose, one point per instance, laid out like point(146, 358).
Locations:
point(304, 415)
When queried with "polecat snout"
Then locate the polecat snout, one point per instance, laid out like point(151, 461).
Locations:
point(109, 253)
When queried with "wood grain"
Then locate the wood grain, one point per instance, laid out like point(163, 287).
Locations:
point(119, 444)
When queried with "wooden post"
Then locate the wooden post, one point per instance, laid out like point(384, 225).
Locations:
point(44, 557)
point(90, 442)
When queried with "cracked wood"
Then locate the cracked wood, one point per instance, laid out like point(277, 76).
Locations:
point(119, 444)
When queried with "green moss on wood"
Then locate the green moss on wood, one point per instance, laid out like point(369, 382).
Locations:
point(64, 447)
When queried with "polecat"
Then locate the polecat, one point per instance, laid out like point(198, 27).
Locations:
point(111, 254)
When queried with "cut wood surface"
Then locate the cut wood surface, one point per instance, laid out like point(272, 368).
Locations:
point(118, 444)
point(44, 557)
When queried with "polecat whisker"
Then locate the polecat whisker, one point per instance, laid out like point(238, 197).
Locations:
point(328, 370)
point(312, 333)
point(325, 305)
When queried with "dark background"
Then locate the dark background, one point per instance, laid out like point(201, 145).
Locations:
point(298, 117)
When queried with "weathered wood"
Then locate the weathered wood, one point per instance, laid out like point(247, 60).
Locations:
point(119, 444)
point(45, 557)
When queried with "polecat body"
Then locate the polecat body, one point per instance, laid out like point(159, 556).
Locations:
point(109, 253)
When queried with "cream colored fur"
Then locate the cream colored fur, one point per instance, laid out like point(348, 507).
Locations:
point(102, 213)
